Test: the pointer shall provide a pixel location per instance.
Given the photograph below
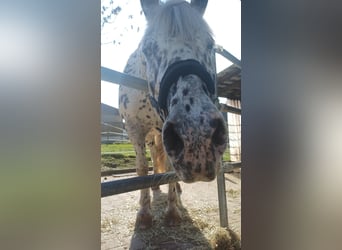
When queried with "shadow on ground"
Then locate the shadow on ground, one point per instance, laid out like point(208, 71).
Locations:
point(188, 235)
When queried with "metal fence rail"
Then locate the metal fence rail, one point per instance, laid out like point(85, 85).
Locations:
point(114, 76)
point(136, 183)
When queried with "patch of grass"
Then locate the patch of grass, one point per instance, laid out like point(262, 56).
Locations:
point(122, 156)
point(226, 155)
point(119, 161)
point(125, 149)
point(233, 193)
point(116, 161)
point(119, 156)
point(117, 147)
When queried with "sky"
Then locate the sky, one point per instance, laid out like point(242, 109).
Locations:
point(223, 17)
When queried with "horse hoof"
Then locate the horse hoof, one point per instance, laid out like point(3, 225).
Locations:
point(173, 217)
point(144, 220)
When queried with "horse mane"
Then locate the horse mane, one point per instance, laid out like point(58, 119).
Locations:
point(177, 19)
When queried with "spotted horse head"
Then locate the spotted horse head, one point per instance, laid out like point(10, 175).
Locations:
point(177, 51)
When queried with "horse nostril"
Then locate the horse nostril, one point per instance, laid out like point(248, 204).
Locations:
point(219, 136)
point(172, 141)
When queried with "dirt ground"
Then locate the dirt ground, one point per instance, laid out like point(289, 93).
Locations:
point(200, 214)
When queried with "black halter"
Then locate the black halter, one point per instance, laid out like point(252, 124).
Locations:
point(172, 74)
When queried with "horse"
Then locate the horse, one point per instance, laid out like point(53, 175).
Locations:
point(179, 111)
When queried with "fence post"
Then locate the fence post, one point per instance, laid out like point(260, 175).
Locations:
point(221, 190)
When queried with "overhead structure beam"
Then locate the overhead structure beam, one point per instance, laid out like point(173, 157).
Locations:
point(220, 50)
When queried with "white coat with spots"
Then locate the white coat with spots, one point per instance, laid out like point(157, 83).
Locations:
point(185, 129)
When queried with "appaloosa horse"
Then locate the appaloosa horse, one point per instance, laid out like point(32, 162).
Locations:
point(176, 56)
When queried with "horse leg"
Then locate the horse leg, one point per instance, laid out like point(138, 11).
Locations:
point(173, 214)
point(144, 216)
point(178, 187)
point(150, 141)
point(158, 156)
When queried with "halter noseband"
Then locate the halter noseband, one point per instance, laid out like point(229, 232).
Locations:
point(172, 74)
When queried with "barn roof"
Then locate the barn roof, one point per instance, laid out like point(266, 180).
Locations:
point(110, 118)
point(229, 83)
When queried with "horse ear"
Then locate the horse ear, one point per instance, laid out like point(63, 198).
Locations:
point(199, 5)
point(148, 6)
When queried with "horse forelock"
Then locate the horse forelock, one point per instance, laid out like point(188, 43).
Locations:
point(179, 20)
